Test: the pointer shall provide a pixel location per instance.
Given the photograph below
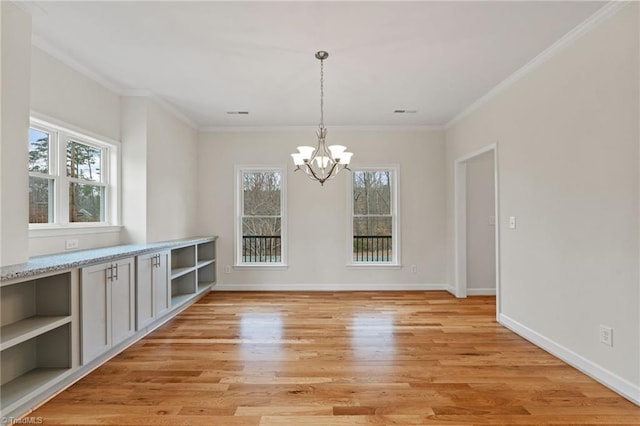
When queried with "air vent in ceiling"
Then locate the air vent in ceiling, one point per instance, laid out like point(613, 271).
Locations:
point(238, 112)
point(404, 111)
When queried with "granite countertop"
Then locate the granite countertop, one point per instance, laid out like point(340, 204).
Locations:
point(55, 262)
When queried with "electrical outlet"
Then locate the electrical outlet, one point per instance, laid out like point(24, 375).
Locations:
point(414, 269)
point(512, 222)
point(71, 244)
point(606, 335)
point(227, 269)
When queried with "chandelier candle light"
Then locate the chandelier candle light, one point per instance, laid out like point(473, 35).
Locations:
point(322, 163)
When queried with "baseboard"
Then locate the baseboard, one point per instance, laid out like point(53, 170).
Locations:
point(451, 289)
point(481, 291)
point(591, 369)
point(329, 287)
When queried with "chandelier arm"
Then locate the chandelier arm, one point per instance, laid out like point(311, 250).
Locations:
point(331, 175)
point(315, 176)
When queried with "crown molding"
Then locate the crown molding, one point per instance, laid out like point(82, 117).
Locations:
point(109, 84)
point(75, 65)
point(240, 129)
point(602, 14)
point(166, 105)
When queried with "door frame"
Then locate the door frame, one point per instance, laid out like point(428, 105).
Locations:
point(460, 221)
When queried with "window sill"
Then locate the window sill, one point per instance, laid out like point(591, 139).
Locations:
point(61, 231)
point(373, 265)
point(261, 266)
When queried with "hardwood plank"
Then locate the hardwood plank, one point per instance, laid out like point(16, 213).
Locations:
point(349, 358)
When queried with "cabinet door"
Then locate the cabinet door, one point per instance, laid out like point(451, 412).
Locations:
point(123, 310)
point(146, 270)
point(95, 312)
point(162, 285)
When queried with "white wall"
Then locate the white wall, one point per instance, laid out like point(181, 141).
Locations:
point(159, 173)
point(134, 169)
point(65, 94)
point(14, 200)
point(481, 243)
point(317, 228)
point(172, 160)
point(68, 97)
point(567, 137)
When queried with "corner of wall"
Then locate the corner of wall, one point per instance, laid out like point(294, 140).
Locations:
point(16, 72)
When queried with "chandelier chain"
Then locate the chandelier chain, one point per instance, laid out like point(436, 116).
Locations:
point(321, 93)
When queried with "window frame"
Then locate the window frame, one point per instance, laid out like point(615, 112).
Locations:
point(395, 263)
point(60, 135)
point(52, 173)
point(238, 214)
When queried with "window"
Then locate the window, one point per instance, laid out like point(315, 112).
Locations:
point(69, 178)
point(260, 217)
point(373, 207)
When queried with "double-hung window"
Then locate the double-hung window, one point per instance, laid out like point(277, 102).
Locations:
point(373, 206)
point(71, 180)
point(260, 216)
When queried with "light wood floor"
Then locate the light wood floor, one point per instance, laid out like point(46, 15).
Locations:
point(362, 358)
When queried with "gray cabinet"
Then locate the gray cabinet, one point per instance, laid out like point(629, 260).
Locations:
point(153, 291)
point(85, 307)
point(107, 294)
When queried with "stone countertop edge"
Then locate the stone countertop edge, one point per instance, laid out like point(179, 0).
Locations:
point(39, 265)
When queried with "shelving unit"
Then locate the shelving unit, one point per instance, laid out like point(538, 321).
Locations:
point(35, 336)
point(54, 308)
point(193, 271)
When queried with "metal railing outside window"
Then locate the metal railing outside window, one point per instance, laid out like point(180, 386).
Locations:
point(372, 248)
point(261, 249)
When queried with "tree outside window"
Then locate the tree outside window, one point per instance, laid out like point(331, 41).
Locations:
point(260, 207)
point(373, 216)
point(69, 177)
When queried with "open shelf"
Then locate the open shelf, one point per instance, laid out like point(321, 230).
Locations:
point(192, 271)
point(33, 363)
point(206, 275)
point(183, 287)
point(183, 257)
point(20, 331)
point(178, 272)
point(35, 336)
point(24, 385)
point(202, 263)
point(204, 286)
point(206, 251)
point(179, 299)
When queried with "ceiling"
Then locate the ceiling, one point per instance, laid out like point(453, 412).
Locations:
point(208, 58)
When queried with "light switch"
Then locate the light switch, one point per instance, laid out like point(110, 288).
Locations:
point(512, 222)
point(492, 220)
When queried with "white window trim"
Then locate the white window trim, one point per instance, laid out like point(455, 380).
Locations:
point(395, 222)
point(111, 167)
point(237, 234)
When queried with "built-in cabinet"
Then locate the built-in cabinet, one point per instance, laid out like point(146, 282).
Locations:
point(153, 289)
point(107, 294)
point(192, 271)
point(35, 336)
point(56, 325)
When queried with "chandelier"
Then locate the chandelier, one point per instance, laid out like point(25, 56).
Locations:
point(322, 163)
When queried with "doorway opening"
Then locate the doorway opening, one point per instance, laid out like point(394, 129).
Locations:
point(477, 243)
